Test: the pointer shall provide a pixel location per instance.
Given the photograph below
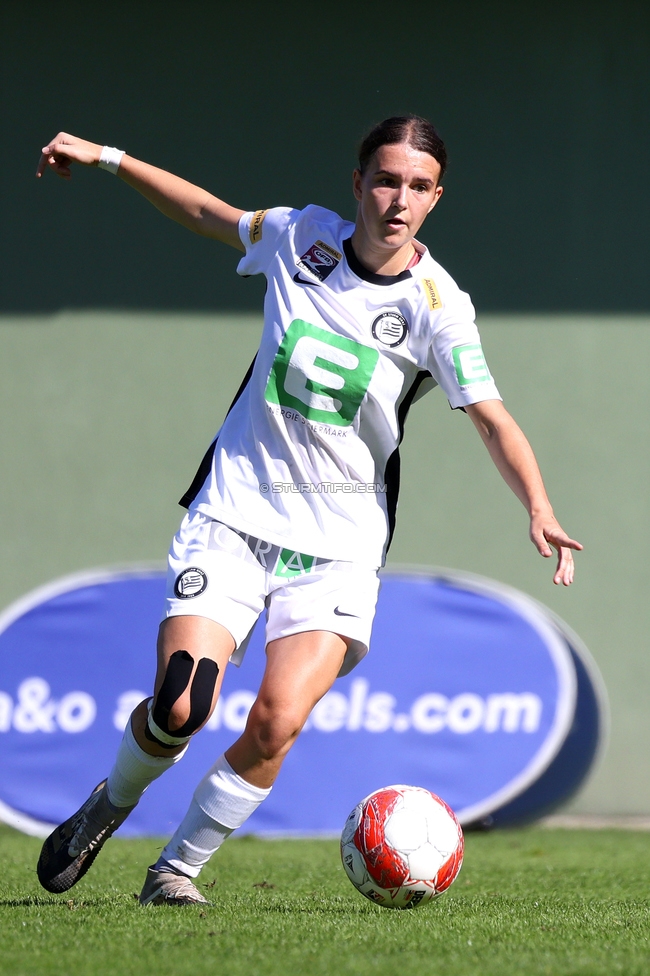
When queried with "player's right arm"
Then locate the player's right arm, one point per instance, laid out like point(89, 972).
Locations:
point(183, 202)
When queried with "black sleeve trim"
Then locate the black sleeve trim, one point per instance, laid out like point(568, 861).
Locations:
point(393, 465)
point(206, 463)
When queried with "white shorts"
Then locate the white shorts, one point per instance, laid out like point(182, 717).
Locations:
point(230, 577)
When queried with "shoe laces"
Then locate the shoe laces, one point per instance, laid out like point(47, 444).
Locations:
point(179, 886)
point(89, 829)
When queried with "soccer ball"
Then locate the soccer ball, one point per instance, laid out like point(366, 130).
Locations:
point(402, 846)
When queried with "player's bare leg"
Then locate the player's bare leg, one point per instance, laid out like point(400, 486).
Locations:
point(185, 695)
point(300, 669)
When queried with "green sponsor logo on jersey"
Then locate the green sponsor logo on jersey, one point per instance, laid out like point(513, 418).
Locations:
point(322, 375)
point(470, 365)
point(292, 563)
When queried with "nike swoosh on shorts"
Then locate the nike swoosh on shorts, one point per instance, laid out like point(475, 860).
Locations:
point(342, 613)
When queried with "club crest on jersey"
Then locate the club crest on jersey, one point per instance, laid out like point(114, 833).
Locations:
point(191, 582)
point(390, 328)
point(320, 260)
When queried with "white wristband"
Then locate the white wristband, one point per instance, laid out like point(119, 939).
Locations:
point(110, 159)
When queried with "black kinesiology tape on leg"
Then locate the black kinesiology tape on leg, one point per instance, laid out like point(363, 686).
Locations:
point(177, 677)
point(201, 693)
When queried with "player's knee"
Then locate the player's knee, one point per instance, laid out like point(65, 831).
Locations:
point(274, 729)
point(174, 716)
point(175, 719)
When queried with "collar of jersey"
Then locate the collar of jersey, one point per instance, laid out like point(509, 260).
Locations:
point(370, 276)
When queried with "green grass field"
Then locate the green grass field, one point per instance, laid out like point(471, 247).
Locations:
point(563, 903)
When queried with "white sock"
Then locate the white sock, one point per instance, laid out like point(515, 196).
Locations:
point(222, 802)
point(134, 770)
point(197, 838)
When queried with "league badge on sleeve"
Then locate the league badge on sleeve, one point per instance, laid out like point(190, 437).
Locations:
point(320, 260)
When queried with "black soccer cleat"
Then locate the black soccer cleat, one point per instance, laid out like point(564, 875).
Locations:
point(70, 850)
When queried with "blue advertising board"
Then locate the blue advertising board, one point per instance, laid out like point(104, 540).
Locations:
point(470, 689)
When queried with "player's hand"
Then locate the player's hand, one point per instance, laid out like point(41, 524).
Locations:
point(547, 534)
point(65, 149)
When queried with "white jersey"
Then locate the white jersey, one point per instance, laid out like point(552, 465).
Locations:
point(307, 457)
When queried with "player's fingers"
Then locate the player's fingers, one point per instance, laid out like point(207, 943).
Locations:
point(68, 151)
point(540, 542)
point(557, 537)
point(61, 166)
point(59, 150)
point(50, 160)
point(57, 159)
point(565, 542)
point(566, 566)
point(565, 571)
point(60, 143)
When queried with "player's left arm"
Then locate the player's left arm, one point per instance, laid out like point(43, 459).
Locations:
point(514, 458)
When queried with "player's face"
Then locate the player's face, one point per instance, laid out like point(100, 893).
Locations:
point(396, 192)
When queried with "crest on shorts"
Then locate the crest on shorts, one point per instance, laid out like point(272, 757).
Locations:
point(191, 582)
point(390, 328)
point(320, 260)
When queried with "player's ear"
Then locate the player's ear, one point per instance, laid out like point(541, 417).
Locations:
point(356, 184)
point(436, 197)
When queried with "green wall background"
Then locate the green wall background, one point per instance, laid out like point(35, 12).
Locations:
point(544, 106)
point(104, 418)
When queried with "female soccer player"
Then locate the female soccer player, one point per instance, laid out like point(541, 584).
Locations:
point(293, 505)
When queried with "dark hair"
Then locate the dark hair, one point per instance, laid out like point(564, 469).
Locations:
point(416, 131)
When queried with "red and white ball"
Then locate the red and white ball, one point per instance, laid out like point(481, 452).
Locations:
point(402, 846)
